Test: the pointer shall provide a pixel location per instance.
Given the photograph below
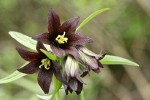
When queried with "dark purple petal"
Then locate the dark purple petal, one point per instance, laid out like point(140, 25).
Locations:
point(72, 51)
point(96, 70)
point(92, 63)
point(102, 55)
point(84, 73)
point(79, 89)
point(30, 68)
point(57, 51)
point(44, 79)
point(27, 55)
point(67, 89)
point(78, 39)
point(79, 79)
point(88, 52)
point(57, 66)
point(70, 25)
point(57, 72)
point(53, 22)
point(44, 38)
point(59, 77)
point(89, 61)
point(73, 84)
point(100, 65)
point(40, 46)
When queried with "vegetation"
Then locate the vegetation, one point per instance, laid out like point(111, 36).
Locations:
point(121, 31)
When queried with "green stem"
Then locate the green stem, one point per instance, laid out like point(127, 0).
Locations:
point(57, 96)
point(57, 85)
point(82, 96)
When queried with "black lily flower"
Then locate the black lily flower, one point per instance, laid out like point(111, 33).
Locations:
point(62, 38)
point(74, 84)
point(40, 63)
point(74, 81)
point(90, 59)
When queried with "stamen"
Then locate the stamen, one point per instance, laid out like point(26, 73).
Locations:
point(41, 65)
point(61, 39)
point(64, 34)
point(46, 63)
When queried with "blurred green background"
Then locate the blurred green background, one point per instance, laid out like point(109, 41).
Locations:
point(122, 31)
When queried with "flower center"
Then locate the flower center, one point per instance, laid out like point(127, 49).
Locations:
point(46, 63)
point(61, 39)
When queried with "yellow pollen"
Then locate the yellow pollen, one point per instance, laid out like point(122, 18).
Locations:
point(46, 63)
point(61, 39)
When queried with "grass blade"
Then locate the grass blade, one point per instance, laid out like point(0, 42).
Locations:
point(91, 17)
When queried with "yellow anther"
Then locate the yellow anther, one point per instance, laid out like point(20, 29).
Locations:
point(46, 67)
point(61, 39)
point(46, 63)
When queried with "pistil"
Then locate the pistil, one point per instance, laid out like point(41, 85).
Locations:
point(61, 39)
point(46, 63)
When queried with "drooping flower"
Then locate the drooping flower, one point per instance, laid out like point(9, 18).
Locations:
point(39, 62)
point(62, 38)
point(90, 59)
point(74, 81)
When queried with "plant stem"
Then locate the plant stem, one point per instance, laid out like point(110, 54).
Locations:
point(57, 96)
point(82, 96)
point(57, 85)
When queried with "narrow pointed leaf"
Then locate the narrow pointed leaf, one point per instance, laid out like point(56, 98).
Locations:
point(91, 17)
point(44, 97)
point(115, 60)
point(49, 55)
point(12, 77)
point(13, 74)
point(25, 40)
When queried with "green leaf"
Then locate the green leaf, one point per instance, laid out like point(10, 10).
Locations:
point(91, 17)
point(16, 75)
point(26, 40)
point(12, 77)
point(115, 60)
point(49, 55)
point(57, 85)
point(44, 97)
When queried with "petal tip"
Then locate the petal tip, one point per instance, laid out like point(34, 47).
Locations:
point(77, 17)
point(17, 48)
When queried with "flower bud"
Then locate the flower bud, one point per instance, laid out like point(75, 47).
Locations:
point(90, 59)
